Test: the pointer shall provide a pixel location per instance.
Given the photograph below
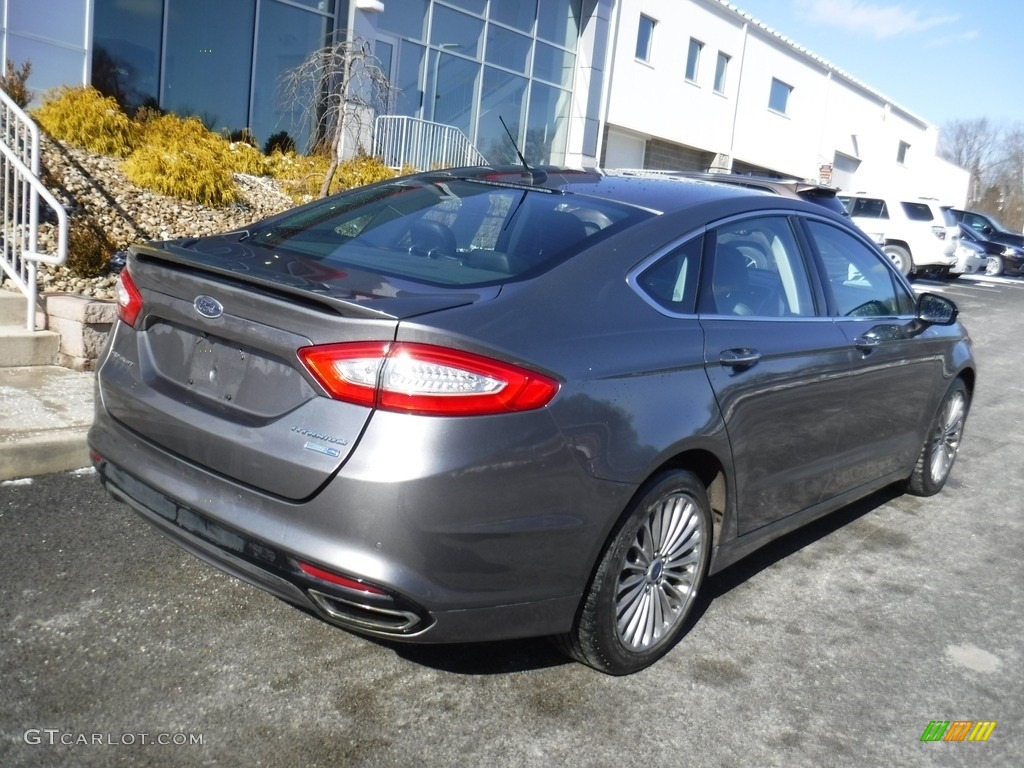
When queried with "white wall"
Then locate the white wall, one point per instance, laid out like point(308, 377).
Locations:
point(828, 110)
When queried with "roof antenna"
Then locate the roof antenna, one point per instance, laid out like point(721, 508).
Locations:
point(535, 177)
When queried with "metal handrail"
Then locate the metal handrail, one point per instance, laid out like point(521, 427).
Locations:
point(404, 142)
point(22, 191)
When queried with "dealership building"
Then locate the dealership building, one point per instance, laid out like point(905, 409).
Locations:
point(667, 84)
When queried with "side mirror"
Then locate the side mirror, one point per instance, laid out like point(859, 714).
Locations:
point(987, 230)
point(933, 309)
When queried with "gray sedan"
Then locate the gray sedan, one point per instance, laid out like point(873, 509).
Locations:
point(494, 403)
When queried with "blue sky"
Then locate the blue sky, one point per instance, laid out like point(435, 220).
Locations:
point(941, 59)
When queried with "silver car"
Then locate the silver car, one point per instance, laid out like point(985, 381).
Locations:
point(495, 403)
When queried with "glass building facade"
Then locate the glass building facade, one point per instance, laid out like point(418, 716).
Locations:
point(467, 63)
point(476, 63)
point(219, 60)
point(51, 34)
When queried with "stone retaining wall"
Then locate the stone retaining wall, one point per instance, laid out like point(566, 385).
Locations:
point(83, 324)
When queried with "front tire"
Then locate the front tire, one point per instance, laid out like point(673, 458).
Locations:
point(647, 579)
point(942, 443)
point(994, 266)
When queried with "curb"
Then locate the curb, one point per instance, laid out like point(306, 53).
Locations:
point(44, 454)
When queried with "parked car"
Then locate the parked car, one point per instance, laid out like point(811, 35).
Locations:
point(971, 259)
point(1005, 248)
point(485, 403)
point(798, 189)
point(1000, 259)
point(917, 234)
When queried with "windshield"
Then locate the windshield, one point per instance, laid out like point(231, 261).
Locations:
point(446, 231)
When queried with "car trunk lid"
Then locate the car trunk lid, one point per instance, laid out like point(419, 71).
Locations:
point(210, 371)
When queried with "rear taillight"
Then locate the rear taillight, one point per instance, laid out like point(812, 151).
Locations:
point(425, 379)
point(129, 300)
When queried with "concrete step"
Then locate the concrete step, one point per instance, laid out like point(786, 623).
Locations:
point(20, 347)
point(12, 310)
point(45, 413)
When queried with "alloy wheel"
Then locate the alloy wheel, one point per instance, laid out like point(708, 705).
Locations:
point(660, 571)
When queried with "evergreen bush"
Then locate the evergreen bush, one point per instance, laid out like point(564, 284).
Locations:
point(15, 83)
point(89, 247)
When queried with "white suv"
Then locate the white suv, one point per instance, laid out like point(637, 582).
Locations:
point(917, 233)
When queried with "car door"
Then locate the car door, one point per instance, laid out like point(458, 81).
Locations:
point(778, 366)
point(893, 365)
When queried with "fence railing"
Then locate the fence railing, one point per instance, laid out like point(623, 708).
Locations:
point(22, 192)
point(404, 142)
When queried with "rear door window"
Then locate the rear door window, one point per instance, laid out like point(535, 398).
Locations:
point(757, 269)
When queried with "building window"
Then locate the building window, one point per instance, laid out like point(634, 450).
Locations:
point(778, 99)
point(721, 68)
point(644, 36)
point(126, 52)
point(693, 59)
point(901, 153)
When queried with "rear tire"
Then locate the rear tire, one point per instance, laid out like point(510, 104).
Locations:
point(942, 443)
point(647, 579)
point(900, 257)
point(994, 267)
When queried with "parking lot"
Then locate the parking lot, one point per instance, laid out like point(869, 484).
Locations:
point(836, 645)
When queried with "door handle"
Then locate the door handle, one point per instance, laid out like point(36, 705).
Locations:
point(739, 358)
point(867, 342)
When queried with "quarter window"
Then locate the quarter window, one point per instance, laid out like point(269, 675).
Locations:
point(644, 37)
point(862, 285)
point(671, 282)
point(778, 98)
point(918, 211)
point(866, 207)
point(693, 59)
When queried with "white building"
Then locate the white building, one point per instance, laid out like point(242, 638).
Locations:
point(678, 84)
point(700, 84)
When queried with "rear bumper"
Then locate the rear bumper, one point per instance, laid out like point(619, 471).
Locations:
point(447, 571)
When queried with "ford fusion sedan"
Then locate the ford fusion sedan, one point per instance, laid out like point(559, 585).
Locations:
point(491, 403)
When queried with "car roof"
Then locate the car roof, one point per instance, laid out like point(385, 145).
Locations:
point(797, 189)
point(656, 193)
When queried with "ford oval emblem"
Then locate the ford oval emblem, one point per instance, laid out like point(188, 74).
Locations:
point(207, 306)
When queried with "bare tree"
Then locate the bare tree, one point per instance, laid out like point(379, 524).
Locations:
point(337, 91)
point(973, 145)
point(1010, 177)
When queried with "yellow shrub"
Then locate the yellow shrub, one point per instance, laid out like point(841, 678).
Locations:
point(84, 117)
point(360, 170)
point(302, 175)
point(247, 159)
point(180, 157)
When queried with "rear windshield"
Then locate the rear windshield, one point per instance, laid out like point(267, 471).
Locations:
point(446, 231)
